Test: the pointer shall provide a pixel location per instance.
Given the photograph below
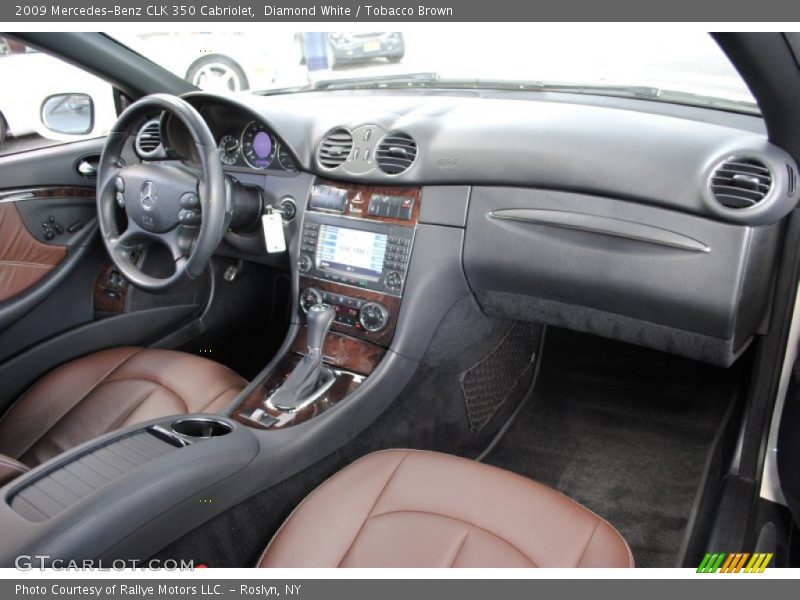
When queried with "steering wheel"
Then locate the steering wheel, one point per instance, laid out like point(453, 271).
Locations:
point(165, 203)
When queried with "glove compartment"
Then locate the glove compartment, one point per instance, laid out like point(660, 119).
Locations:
point(651, 276)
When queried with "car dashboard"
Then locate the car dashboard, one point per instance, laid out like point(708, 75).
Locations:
point(652, 223)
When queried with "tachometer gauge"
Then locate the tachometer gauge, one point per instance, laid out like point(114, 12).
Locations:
point(258, 146)
point(228, 149)
point(285, 160)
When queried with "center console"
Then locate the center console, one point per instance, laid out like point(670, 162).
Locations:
point(350, 355)
point(355, 247)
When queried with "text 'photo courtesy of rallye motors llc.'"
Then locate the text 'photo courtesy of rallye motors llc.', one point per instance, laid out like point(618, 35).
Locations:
point(347, 286)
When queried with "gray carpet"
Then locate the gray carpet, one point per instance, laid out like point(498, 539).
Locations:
point(623, 430)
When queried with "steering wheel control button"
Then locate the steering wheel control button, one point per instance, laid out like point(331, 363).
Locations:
point(190, 200)
point(188, 217)
point(120, 198)
point(119, 183)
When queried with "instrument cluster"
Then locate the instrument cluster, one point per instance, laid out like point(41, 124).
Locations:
point(254, 146)
point(244, 142)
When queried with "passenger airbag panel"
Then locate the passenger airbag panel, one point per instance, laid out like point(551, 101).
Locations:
point(656, 266)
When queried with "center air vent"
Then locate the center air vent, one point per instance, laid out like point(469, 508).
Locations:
point(741, 182)
point(148, 140)
point(335, 148)
point(396, 152)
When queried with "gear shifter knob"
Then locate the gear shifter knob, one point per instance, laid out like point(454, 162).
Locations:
point(304, 379)
point(319, 319)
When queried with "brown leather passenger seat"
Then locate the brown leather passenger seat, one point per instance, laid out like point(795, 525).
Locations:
point(410, 508)
point(104, 391)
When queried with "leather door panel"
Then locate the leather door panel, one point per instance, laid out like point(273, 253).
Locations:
point(24, 260)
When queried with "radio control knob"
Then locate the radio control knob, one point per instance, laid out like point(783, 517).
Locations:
point(309, 298)
point(304, 263)
point(393, 280)
point(373, 317)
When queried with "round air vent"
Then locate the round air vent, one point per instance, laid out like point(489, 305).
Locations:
point(396, 152)
point(335, 148)
point(741, 182)
point(148, 140)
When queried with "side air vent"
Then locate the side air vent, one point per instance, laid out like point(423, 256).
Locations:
point(741, 182)
point(396, 152)
point(335, 148)
point(148, 140)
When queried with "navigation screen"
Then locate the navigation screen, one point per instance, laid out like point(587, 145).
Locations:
point(351, 252)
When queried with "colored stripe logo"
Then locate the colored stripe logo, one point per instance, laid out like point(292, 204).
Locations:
point(737, 562)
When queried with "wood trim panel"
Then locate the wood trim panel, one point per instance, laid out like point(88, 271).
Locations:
point(358, 200)
point(341, 352)
point(344, 385)
point(105, 297)
point(39, 193)
point(345, 352)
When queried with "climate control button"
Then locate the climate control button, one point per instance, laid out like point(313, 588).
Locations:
point(373, 316)
point(309, 298)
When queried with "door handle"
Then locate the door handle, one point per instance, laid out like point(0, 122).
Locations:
point(87, 165)
point(87, 169)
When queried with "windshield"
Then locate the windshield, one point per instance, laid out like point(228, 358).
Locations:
point(653, 64)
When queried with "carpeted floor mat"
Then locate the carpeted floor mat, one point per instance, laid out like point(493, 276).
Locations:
point(623, 430)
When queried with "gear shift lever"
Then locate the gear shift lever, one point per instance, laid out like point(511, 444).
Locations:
point(319, 320)
point(305, 377)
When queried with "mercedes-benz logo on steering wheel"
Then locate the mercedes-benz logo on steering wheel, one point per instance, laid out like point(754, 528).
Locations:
point(148, 195)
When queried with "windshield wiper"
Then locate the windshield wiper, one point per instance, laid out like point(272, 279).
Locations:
point(434, 80)
point(381, 81)
point(359, 83)
point(692, 99)
point(643, 92)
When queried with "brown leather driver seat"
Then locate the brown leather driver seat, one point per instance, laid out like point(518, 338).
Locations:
point(410, 508)
point(104, 391)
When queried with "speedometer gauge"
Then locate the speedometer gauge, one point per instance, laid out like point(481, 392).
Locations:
point(228, 149)
point(258, 146)
point(285, 160)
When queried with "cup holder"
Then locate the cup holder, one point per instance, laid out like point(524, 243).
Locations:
point(198, 427)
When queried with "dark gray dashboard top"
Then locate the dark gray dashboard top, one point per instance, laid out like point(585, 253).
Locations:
point(640, 151)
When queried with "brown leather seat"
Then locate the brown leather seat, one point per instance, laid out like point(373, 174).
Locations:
point(10, 469)
point(105, 391)
point(409, 508)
